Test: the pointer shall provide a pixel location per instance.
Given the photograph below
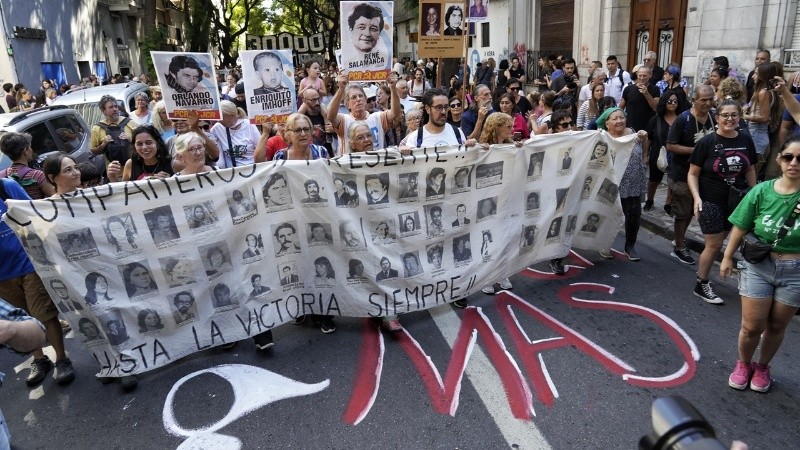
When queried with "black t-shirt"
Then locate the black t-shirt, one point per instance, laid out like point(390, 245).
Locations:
point(657, 131)
point(516, 73)
point(722, 159)
point(523, 106)
point(637, 109)
point(318, 134)
point(687, 131)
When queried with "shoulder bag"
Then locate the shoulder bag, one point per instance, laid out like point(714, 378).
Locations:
point(662, 162)
point(754, 250)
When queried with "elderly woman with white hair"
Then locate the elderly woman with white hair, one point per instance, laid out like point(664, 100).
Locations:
point(142, 114)
point(360, 137)
point(190, 152)
point(236, 137)
point(160, 120)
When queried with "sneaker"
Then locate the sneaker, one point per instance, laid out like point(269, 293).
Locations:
point(606, 254)
point(462, 303)
point(64, 372)
point(392, 325)
point(228, 345)
point(668, 209)
point(631, 254)
point(648, 205)
point(506, 284)
point(706, 292)
point(299, 319)
point(326, 325)
point(741, 375)
point(761, 380)
point(39, 369)
point(682, 255)
point(557, 266)
point(106, 380)
point(129, 382)
point(488, 290)
point(263, 340)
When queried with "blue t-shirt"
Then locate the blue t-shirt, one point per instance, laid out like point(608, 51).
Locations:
point(14, 261)
point(787, 116)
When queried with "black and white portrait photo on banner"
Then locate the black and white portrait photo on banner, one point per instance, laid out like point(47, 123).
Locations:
point(269, 88)
point(367, 29)
point(164, 266)
point(188, 83)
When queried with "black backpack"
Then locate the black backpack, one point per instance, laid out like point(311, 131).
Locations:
point(119, 150)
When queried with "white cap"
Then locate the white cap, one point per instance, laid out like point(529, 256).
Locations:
point(420, 62)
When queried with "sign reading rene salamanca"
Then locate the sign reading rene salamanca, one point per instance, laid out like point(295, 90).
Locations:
point(268, 85)
point(188, 83)
point(158, 269)
point(367, 39)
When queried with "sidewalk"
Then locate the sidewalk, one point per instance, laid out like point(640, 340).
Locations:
point(660, 223)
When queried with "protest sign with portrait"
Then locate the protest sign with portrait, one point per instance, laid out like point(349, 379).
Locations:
point(188, 84)
point(268, 85)
point(367, 30)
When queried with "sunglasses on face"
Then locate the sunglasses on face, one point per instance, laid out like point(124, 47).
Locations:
point(565, 124)
point(205, 127)
point(672, 102)
point(788, 157)
point(455, 105)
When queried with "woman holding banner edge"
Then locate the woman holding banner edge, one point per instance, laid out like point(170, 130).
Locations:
point(298, 133)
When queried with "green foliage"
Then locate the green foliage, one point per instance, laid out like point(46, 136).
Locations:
point(198, 27)
point(153, 42)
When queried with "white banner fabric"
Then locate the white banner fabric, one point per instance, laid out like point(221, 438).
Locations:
point(158, 269)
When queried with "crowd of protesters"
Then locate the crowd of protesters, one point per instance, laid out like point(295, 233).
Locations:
point(725, 134)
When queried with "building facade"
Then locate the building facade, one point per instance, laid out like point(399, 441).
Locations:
point(688, 32)
point(69, 40)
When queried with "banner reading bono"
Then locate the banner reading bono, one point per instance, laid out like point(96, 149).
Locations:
point(157, 269)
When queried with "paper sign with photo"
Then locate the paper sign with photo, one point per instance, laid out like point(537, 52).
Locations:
point(188, 83)
point(268, 85)
point(367, 30)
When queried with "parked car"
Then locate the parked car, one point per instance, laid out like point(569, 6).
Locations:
point(85, 100)
point(53, 129)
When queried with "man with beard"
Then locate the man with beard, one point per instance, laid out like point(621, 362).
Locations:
point(435, 132)
point(312, 108)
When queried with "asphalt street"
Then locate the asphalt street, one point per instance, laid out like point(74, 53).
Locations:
point(565, 362)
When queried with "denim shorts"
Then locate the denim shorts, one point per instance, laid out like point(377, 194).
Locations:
point(772, 278)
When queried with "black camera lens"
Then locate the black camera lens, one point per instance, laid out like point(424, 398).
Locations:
point(678, 425)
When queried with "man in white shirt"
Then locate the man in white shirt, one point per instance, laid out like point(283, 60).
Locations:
point(598, 77)
point(435, 131)
point(397, 67)
point(617, 79)
point(402, 92)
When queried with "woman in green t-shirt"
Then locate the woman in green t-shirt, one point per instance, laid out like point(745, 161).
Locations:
point(770, 290)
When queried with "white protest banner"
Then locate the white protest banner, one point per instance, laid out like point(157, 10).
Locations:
point(157, 269)
point(367, 32)
point(268, 85)
point(188, 83)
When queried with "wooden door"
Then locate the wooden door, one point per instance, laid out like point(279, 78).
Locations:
point(657, 25)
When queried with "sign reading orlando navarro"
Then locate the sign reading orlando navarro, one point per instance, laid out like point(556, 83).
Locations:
point(152, 270)
point(367, 30)
point(268, 85)
point(188, 83)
